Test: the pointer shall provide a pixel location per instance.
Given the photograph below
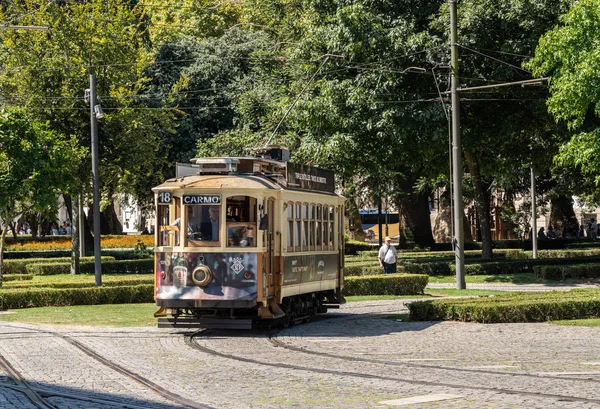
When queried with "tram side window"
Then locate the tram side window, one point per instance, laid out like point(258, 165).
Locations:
point(311, 235)
point(203, 224)
point(319, 229)
point(163, 225)
point(331, 227)
point(290, 222)
point(168, 234)
point(304, 227)
point(298, 225)
point(241, 220)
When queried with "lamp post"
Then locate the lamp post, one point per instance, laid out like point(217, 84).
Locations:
point(95, 114)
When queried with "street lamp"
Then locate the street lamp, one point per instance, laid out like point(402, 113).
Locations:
point(95, 114)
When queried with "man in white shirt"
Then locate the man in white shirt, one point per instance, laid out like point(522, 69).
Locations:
point(388, 256)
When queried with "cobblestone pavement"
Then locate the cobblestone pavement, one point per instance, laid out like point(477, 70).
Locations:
point(357, 357)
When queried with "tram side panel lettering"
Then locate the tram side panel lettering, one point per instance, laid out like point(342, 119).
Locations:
point(180, 276)
point(309, 268)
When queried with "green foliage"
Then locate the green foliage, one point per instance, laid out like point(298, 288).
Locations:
point(87, 267)
point(565, 272)
point(19, 266)
point(353, 247)
point(21, 278)
point(515, 307)
point(28, 298)
point(107, 281)
point(389, 284)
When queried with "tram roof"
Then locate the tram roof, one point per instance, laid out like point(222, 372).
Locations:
point(219, 182)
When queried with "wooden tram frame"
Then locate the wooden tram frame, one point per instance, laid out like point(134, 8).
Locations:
point(297, 222)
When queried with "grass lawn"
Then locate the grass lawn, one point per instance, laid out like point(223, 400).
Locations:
point(356, 298)
point(453, 292)
point(108, 315)
point(590, 322)
point(523, 278)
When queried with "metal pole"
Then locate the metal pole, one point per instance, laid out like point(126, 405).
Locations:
point(81, 227)
point(534, 242)
point(456, 155)
point(96, 182)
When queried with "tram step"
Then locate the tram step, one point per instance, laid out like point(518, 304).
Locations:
point(205, 323)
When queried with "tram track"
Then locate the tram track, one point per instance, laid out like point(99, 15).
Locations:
point(191, 340)
point(22, 386)
point(40, 401)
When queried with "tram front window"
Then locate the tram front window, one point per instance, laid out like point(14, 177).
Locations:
point(241, 216)
point(203, 223)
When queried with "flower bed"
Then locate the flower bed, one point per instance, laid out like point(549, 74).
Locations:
point(64, 243)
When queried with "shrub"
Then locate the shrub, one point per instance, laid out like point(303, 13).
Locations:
point(353, 247)
point(17, 278)
point(110, 267)
point(389, 284)
point(521, 307)
point(358, 270)
point(19, 266)
point(45, 297)
point(590, 270)
point(107, 281)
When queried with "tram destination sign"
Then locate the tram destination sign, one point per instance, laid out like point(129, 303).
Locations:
point(201, 199)
point(309, 178)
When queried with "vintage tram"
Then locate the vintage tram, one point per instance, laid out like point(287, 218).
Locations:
point(247, 240)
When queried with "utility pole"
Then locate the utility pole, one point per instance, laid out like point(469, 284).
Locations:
point(95, 113)
point(534, 242)
point(456, 154)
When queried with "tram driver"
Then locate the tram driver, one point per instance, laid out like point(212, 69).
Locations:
point(210, 228)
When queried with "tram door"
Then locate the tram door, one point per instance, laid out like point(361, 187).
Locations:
point(271, 263)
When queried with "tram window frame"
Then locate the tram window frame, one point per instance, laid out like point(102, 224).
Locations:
point(305, 229)
point(241, 221)
point(290, 225)
point(319, 227)
point(168, 233)
point(197, 218)
point(298, 225)
point(311, 226)
point(331, 227)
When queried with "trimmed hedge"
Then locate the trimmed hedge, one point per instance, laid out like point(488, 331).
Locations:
point(109, 281)
point(358, 270)
point(352, 247)
point(145, 266)
point(389, 284)
point(591, 270)
point(19, 266)
point(493, 267)
point(521, 307)
point(17, 278)
point(46, 297)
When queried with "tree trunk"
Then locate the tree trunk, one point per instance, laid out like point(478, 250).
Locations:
point(482, 202)
point(88, 239)
point(75, 245)
point(415, 213)
point(109, 221)
point(2, 242)
point(562, 214)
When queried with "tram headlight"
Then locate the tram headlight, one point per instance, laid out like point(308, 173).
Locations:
point(201, 276)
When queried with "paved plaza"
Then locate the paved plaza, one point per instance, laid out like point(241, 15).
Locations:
point(361, 356)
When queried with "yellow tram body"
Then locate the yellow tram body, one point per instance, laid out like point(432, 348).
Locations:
point(240, 240)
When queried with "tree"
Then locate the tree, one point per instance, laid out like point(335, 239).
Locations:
point(568, 53)
point(47, 74)
point(36, 165)
point(505, 130)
